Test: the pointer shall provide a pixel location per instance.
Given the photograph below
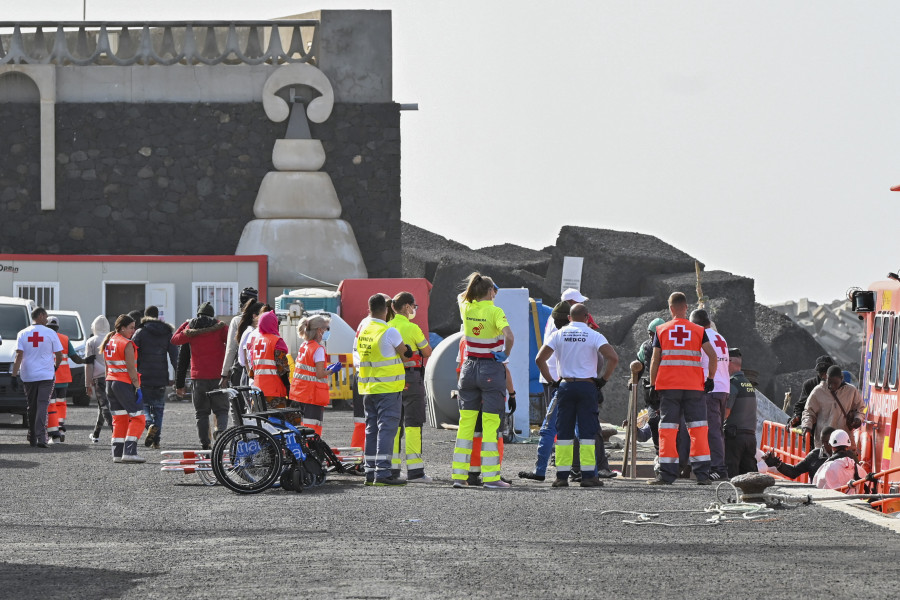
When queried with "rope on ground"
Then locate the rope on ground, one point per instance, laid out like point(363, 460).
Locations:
point(719, 511)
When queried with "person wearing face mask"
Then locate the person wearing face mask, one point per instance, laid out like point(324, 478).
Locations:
point(310, 383)
point(413, 412)
point(832, 403)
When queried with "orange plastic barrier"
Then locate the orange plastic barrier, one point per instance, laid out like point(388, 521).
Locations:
point(789, 445)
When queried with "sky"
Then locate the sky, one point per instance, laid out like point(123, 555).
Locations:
point(759, 137)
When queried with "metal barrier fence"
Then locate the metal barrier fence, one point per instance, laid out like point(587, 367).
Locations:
point(789, 445)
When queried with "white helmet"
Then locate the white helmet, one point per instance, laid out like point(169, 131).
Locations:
point(839, 437)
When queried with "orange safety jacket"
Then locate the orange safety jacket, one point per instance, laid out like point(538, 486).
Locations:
point(116, 369)
point(681, 345)
point(64, 372)
point(265, 372)
point(305, 386)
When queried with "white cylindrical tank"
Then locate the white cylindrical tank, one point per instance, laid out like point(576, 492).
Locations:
point(441, 380)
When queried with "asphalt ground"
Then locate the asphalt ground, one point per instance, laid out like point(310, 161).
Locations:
point(76, 525)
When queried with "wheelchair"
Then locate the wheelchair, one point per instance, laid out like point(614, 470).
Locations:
point(264, 449)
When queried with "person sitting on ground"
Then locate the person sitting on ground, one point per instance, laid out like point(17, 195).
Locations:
point(810, 463)
point(841, 467)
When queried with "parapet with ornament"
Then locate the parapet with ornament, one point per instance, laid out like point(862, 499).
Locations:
point(154, 138)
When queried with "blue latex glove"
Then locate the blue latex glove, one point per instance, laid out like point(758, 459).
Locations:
point(140, 397)
point(336, 367)
point(499, 356)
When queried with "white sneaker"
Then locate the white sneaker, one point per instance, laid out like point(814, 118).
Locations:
point(94, 438)
point(133, 458)
point(422, 479)
point(117, 459)
point(496, 485)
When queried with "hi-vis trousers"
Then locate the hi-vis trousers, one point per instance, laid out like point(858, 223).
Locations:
point(413, 417)
point(693, 405)
point(577, 406)
point(128, 418)
point(482, 387)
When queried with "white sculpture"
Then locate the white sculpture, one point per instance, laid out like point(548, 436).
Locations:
point(297, 210)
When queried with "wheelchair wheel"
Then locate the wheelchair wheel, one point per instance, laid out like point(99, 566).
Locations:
point(246, 459)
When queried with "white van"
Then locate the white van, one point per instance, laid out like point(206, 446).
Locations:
point(70, 324)
point(15, 315)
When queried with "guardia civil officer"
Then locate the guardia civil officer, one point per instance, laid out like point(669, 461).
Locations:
point(577, 348)
point(677, 378)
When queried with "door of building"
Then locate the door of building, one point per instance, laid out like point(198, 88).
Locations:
point(162, 296)
point(122, 298)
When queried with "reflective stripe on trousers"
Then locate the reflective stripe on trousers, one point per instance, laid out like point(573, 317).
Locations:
point(490, 452)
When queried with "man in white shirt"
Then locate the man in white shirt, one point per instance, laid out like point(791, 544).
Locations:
point(38, 354)
point(718, 398)
point(578, 349)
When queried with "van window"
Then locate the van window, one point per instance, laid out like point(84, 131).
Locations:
point(69, 325)
point(13, 319)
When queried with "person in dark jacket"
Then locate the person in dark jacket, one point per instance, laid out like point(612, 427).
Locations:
point(822, 364)
point(810, 463)
point(206, 337)
point(155, 353)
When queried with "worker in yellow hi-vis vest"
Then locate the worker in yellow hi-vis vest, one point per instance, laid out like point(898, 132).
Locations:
point(405, 307)
point(381, 379)
point(482, 380)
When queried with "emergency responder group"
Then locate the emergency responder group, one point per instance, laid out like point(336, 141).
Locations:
point(702, 409)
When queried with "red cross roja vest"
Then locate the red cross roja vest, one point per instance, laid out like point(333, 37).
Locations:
point(306, 387)
point(64, 372)
point(265, 373)
point(116, 369)
point(680, 343)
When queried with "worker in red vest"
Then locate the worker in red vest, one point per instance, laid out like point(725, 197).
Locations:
point(309, 386)
point(269, 366)
point(56, 413)
point(123, 385)
point(677, 379)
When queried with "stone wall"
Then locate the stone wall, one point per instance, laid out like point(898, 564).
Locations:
point(182, 178)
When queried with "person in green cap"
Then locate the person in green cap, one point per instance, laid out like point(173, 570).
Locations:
point(644, 354)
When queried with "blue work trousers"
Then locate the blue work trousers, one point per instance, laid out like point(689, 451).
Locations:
point(382, 421)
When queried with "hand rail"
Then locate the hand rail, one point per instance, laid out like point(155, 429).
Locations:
point(790, 445)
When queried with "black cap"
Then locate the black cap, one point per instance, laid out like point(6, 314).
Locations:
point(823, 362)
point(734, 352)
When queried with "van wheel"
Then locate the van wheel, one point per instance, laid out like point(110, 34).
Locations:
point(81, 400)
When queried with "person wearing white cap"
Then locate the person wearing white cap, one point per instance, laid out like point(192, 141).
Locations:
point(573, 297)
point(841, 467)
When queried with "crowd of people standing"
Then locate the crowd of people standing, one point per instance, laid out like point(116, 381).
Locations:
point(701, 406)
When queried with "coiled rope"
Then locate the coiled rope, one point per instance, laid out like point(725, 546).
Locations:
point(723, 509)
